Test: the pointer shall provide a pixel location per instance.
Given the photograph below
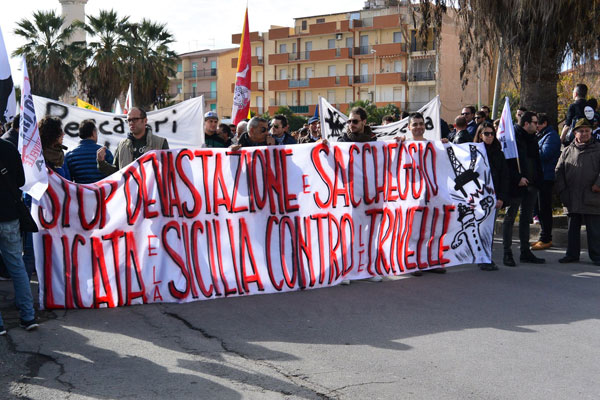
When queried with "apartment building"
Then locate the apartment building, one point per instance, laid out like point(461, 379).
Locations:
point(208, 73)
point(370, 54)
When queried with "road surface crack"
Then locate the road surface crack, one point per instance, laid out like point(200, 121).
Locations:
point(297, 379)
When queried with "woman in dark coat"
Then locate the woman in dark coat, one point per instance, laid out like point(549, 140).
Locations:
point(487, 134)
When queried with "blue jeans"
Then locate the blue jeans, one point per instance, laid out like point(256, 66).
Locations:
point(11, 246)
point(28, 256)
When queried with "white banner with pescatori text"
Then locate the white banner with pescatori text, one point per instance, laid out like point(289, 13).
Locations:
point(181, 124)
point(187, 225)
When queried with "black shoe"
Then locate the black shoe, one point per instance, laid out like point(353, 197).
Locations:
point(29, 325)
point(437, 270)
point(568, 259)
point(488, 267)
point(417, 273)
point(530, 258)
point(508, 260)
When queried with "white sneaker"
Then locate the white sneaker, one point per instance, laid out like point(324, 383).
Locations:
point(345, 282)
point(375, 278)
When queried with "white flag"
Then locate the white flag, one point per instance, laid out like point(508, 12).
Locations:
point(118, 109)
point(506, 133)
point(8, 102)
point(431, 114)
point(30, 145)
point(333, 121)
point(128, 100)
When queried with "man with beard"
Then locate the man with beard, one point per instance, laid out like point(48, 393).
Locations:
point(139, 141)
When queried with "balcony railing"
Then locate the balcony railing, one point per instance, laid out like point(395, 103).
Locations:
point(362, 50)
point(207, 95)
point(421, 76)
point(299, 109)
point(414, 105)
point(295, 83)
point(201, 73)
point(363, 78)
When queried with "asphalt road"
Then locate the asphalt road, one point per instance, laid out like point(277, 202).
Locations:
point(531, 332)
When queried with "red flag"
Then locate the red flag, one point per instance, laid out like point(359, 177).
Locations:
point(241, 93)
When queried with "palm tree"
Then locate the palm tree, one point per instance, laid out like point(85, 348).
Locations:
point(535, 37)
point(51, 60)
point(151, 61)
point(107, 55)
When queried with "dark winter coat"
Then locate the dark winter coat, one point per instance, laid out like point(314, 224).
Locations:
point(577, 170)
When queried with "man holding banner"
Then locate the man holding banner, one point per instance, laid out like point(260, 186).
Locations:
point(139, 141)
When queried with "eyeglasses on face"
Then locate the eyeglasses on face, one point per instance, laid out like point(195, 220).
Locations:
point(487, 133)
point(353, 121)
point(276, 126)
point(465, 113)
point(130, 120)
point(263, 129)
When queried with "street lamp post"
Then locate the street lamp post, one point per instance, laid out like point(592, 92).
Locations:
point(374, 52)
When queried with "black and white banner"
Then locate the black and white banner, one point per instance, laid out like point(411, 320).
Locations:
point(8, 102)
point(333, 122)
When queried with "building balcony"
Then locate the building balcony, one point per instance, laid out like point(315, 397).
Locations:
point(421, 76)
point(208, 96)
point(363, 79)
point(310, 83)
point(323, 28)
point(363, 51)
point(299, 109)
point(389, 49)
point(280, 33)
point(380, 22)
point(281, 58)
point(254, 37)
point(297, 83)
point(391, 78)
point(311, 56)
point(200, 73)
point(257, 61)
point(413, 105)
point(254, 86)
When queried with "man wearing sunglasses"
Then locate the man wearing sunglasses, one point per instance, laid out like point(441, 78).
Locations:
point(279, 130)
point(139, 141)
point(469, 113)
point(357, 129)
point(257, 135)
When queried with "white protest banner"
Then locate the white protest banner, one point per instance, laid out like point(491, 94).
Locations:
point(180, 124)
point(431, 114)
point(506, 133)
point(30, 145)
point(187, 225)
point(333, 121)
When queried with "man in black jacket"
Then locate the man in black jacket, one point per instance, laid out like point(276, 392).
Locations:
point(575, 111)
point(11, 244)
point(525, 179)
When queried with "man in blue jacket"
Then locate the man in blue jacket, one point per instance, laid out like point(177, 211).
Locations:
point(81, 161)
point(549, 144)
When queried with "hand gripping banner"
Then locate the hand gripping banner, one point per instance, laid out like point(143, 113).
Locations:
point(187, 225)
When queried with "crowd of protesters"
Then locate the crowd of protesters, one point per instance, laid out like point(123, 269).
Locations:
point(524, 184)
